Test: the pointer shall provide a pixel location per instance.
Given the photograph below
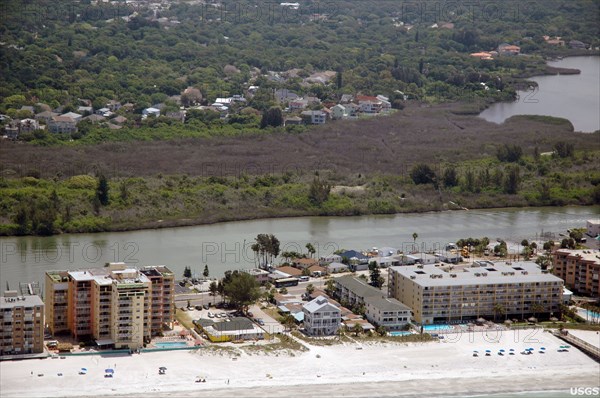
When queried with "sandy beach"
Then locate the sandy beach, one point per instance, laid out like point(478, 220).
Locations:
point(445, 368)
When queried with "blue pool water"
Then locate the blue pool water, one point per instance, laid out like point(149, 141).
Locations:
point(400, 333)
point(171, 344)
point(435, 328)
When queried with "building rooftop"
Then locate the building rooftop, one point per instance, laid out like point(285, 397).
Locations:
point(358, 287)
point(585, 255)
point(20, 301)
point(387, 304)
point(317, 304)
point(488, 274)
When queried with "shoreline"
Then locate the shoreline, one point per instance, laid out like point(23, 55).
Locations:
point(379, 369)
point(188, 223)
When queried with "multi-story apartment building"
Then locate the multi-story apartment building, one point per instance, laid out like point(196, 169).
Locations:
point(163, 291)
point(57, 299)
point(379, 309)
point(22, 320)
point(115, 305)
point(321, 318)
point(580, 269)
point(489, 290)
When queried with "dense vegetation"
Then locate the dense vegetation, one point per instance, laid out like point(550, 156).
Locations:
point(162, 172)
point(41, 206)
point(55, 53)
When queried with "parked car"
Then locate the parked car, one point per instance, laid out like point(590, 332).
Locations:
point(206, 306)
point(210, 314)
point(199, 307)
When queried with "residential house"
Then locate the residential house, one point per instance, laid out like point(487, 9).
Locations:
point(352, 110)
point(28, 126)
point(45, 117)
point(284, 95)
point(113, 105)
point(119, 120)
point(303, 263)
point(260, 275)
point(298, 104)
point(369, 104)
point(556, 41)
point(317, 270)
point(62, 124)
point(22, 320)
point(106, 112)
point(577, 44)
point(339, 112)
point(482, 55)
point(177, 115)
point(506, 49)
point(314, 117)
point(150, 112)
point(292, 120)
point(291, 271)
point(11, 131)
point(335, 267)
point(85, 110)
point(356, 259)
point(419, 258)
point(94, 118)
point(28, 108)
point(330, 259)
point(234, 329)
point(75, 116)
point(346, 98)
point(593, 227)
point(321, 318)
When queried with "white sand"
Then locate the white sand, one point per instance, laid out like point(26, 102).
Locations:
point(427, 369)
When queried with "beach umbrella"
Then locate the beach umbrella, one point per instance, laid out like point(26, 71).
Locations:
point(109, 370)
point(532, 319)
point(480, 320)
point(508, 322)
point(488, 350)
point(542, 348)
point(162, 368)
point(554, 319)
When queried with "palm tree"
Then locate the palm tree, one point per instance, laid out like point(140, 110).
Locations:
point(311, 249)
point(415, 236)
point(310, 289)
point(357, 329)
point(537, 307)
point(499, 310)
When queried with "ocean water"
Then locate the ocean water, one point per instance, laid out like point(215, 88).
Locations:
point(526, 394)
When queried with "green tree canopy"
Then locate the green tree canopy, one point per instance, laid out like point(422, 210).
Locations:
point(242, 290)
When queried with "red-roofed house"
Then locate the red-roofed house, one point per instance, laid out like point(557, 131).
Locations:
point(304, 262)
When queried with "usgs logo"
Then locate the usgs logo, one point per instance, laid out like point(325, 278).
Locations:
point(591, 391)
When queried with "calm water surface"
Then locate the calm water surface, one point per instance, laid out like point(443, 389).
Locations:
point(226, 246)
point(573, 97)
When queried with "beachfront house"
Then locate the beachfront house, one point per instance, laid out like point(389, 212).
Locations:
point(321, 318)
point(235, 329)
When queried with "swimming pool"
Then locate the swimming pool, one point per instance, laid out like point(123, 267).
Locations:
point(170, 344)
point(400, 333)
point(437, 328)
